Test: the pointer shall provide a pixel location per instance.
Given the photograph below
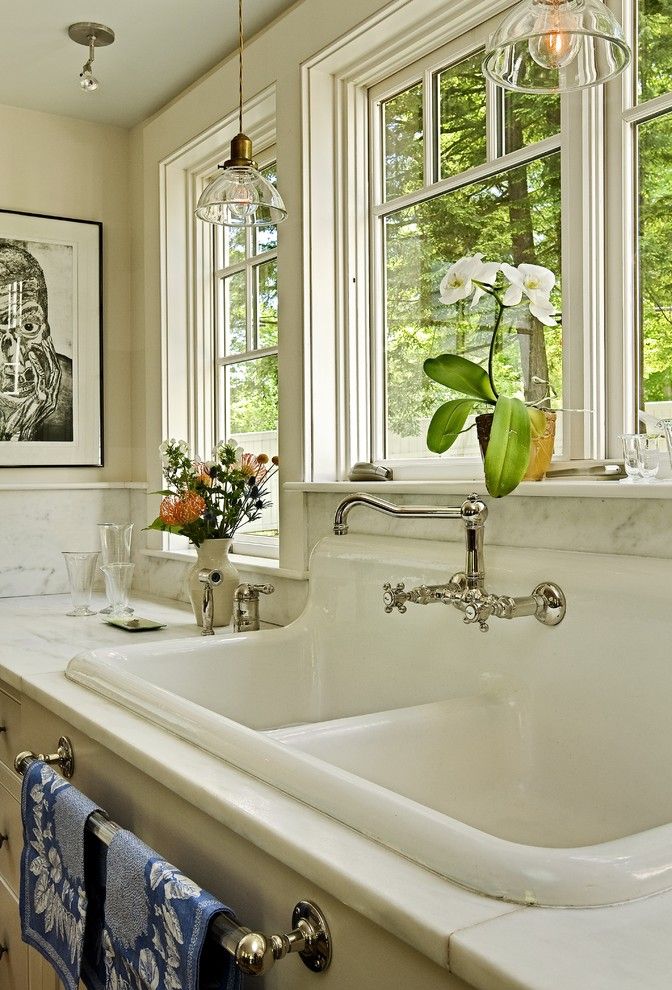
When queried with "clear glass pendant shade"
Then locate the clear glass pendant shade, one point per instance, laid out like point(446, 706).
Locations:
point(240, 196)
point(556, 46)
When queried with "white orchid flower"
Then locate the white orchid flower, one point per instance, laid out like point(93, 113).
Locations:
point(457, 283)
point(535, 282)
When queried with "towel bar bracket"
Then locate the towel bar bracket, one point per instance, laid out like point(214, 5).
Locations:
point(63, 758)
point(310, 937)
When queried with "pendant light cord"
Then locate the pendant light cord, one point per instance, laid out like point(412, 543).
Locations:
point(240, 66)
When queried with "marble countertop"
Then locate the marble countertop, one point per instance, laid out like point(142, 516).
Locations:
point(37, 636)
point(489, 944)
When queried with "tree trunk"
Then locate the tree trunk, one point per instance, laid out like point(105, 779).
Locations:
point(532, 342)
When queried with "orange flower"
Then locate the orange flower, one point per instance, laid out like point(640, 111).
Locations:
point(202, 473)
point(262, 458)
point(180, 510)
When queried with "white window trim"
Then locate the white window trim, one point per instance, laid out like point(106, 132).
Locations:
point(336, 238)
point(187, 306)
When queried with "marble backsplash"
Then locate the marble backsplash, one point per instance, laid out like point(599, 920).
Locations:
point(38, 524)
point(640, 527)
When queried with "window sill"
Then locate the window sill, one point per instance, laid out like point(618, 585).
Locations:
point(566, 488)
point(258, 565)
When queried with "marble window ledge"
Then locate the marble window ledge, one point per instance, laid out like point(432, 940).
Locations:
point(258, 565)
point(554, 489)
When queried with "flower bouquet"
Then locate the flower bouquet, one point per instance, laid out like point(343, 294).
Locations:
point(515, 424)
point(211, 500)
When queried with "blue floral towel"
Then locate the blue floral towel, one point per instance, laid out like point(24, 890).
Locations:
point(53, 901)
point(155, 928)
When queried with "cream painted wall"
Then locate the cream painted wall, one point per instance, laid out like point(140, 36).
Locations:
point(72, 168)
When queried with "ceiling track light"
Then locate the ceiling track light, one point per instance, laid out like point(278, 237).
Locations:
point(92, 36)
point(240, 196)
point(556, 46)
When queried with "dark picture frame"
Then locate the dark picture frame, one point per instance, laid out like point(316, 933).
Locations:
point(51, 340)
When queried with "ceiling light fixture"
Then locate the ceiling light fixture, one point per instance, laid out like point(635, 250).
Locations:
point(92, 36)
point(556, 46)
point(241, 196)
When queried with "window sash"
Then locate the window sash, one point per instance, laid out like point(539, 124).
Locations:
point(580, 438)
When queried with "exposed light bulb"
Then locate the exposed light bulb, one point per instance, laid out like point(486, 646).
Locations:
point(555, 43)
point(243, 203)
point(88, 81)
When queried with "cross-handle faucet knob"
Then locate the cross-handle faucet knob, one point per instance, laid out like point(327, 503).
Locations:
point(395, 598)
point(246, 606)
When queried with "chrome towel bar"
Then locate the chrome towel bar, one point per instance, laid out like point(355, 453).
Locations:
point(254, 952)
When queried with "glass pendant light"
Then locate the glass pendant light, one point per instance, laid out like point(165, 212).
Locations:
point(556, 46)
point(241, 196)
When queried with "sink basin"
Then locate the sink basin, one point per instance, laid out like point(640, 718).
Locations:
point(527, 764)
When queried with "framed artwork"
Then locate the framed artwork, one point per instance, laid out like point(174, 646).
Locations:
point(50, 341)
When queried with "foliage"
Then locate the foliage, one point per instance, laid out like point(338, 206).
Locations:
point(211, 500)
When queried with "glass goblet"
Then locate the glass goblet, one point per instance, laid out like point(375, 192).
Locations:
point(81, 569)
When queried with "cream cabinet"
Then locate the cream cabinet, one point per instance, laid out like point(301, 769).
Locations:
point(21, 968)
point(261, 889)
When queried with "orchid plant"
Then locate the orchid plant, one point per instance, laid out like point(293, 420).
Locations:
point(514, 422)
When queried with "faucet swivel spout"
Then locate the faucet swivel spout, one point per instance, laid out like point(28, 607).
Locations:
point(472, 512)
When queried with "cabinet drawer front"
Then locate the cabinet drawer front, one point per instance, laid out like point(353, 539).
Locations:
point(10, 853)
point(10, 720)
point(14, 962)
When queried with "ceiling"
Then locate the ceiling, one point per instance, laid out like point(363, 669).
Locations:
point(161, 47)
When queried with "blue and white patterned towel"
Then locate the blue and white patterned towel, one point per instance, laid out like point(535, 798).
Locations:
point(155, 928)
point(53, 900)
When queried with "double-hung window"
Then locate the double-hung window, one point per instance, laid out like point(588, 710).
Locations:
point(457, 166)
point(246, 354)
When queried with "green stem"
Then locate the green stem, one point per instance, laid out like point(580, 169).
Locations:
point(491, 355)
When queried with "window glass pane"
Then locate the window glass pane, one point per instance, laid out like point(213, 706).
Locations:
point(655, 252)
point(252, 402)
point(252, 394)
point(267, 304)
point(234, 239)
point(529, 118)
point(266, 238)
point(235, 313)
point(462, 116)
point(655, 49)
point(514, 217)
point(403, 153)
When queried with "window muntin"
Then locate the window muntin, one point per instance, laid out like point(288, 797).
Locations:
point(246, 359)
point(512, 213)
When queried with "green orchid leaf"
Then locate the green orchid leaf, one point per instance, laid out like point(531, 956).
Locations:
point(508, 451)
point(462, 375)
point(447, 424)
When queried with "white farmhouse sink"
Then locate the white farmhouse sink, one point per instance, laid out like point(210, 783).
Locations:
point(530, 763)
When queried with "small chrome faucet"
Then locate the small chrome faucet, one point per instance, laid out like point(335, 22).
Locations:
point(209, 580)
point(466, 589)
point(246, 606)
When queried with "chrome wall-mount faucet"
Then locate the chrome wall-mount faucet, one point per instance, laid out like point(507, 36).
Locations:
point(466, 589)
